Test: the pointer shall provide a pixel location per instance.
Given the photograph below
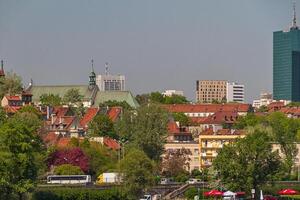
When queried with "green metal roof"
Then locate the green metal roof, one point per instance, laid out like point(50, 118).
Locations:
point(60, 90)
point(103, 96)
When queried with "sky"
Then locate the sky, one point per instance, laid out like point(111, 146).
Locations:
point(157, 44)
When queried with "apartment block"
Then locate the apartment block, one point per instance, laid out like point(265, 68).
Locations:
point(209, 90)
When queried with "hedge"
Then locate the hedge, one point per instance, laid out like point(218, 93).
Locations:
point(77, 194)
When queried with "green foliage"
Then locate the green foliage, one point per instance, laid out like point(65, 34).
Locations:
point(50, 99)
point(101, 125)
point(72, 96)
point(182, 119)
point(31, 109)
point(19, 144)
point(125, 126)
point(182, 177)
point(67, 169)
point(101, 158)
point(77, 194)
point(138, 172)
point(157, 97)
point(3, 116)
point(114, 103)
point(150, 130)
point(248, 163)
point(192, 192)
point(249, 120)
point(263, 108)
point(11, 84)
point(293, 104)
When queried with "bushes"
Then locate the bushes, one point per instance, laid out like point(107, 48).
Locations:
point(192, 192)
point(77, 194)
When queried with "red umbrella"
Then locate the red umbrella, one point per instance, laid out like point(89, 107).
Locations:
point(287, 192)
point(213, 193)
point(240, 193)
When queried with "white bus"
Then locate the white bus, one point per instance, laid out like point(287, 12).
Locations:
point(69, 179)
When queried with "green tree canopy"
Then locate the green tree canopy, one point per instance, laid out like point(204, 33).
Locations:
point(157, 97)
point(182, 119)
point(138, 172)
point(67, 169)
point(248, 163)
point(19, 143)
point(11, 84)
point(72, 96)
point(50, 99)
point(150, 130)
point(30, 109)
point(101, 125)
point(113, 103)
point(3, 116)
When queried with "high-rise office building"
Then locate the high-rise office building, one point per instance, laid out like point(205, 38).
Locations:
point(286, 63)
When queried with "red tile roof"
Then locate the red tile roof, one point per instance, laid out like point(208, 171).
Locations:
point(207, 108)
point(88, 116)
point(60, 111)
point(51, 138)
point(275, 106)
point(111, 143)
point(63, 142)
point(222, 132)
point(12, 109)
point(114, 113)
point(65, 120)
point(13, 98)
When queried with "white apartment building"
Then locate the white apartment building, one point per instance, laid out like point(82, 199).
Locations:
point(172, 92)
point(111, 82)
point(235, 92)
point(265, 99)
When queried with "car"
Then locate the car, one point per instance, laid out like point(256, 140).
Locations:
point(146, 197)
point(165, 181)
point(193, 181)
point(269, 197)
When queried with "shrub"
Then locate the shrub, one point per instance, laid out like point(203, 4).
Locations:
point(67, 169)
point(77, 194)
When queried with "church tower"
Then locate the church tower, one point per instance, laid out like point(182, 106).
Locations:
point(92, 76)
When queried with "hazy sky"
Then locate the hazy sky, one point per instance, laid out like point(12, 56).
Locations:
point(156, 44)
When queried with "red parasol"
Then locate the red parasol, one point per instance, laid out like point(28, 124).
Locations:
point(287, 192)
point(213, 193)
point(240, 193)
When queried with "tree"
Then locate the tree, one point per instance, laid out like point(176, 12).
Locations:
point(176, 162)
point(182, 119)
point(67, 169)
point(125, 126)
point(31, 109)
point(115, 103)
point(19, 144)
point(143, 99)
point(248, 163)
point(3, 116)
point(101, 159)
point(249, 120)
point(150, 130)
point(284, 131)
point(73, 156)
point(50, 99)
point(156, 97)
point(11, 84)
point(101, 125)
point(138, 172)
point(175, 99)
point(263, 108)
point(72, 96)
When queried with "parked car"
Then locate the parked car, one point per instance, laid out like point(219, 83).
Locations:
point(193, 181)
point(146, 197)
point(269, 197)
point(165, 181)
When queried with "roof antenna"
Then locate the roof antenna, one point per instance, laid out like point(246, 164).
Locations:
point(294, 17)
point(106, 68)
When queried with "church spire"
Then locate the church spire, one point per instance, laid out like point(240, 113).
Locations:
point(92, 76)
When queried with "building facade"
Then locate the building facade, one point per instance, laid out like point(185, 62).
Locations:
point(235, 92)
point(111, 82)
point(209, 90)
point(286, 63)
point(172, 92)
